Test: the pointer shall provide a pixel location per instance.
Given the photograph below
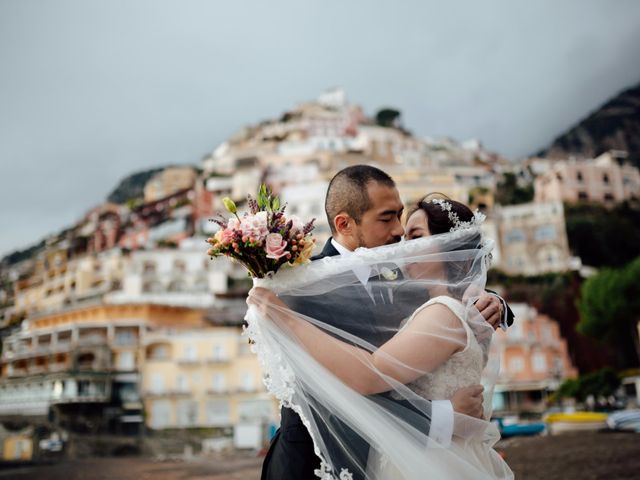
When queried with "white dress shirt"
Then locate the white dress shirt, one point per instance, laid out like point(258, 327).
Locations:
point(441, 429)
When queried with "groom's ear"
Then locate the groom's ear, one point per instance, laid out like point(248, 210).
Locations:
point(343, 223)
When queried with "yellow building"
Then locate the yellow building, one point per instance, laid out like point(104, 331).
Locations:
point(17, 447)
point(203, 378)
point(91, 355)
point(58, 281)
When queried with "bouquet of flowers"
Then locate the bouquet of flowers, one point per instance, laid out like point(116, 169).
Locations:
point(263, 239)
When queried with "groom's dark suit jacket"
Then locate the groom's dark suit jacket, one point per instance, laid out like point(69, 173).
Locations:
point(291, 455)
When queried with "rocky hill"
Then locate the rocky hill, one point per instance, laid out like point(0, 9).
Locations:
point(132, 187)
point(614, 126)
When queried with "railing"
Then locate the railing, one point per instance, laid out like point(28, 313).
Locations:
point(57, 367)
point(38, 369)
point(91, 340)
point(247, 389)
point(218, 359)
point(218, 391)
point(158, 358)
point(189, 361)
point(167, 392)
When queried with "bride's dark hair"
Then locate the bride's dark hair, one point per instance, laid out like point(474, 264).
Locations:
point(439, 221)
point(438, 218)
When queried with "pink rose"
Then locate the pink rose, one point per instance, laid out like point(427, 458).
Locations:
point(275, 246)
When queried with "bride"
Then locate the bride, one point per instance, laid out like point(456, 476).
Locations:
point(342, 385)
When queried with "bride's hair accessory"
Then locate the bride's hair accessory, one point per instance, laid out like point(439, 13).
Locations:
point(477, 219)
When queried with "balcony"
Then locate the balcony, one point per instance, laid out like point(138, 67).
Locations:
point(57, 367)
point(180, 392)
point(62, 346)
point(218, 359)
point(158, 358)
point(247, 389)
point(82, 398)
point(156, 392)
point(175, 392)
point(189, 361)
point(18, 372)
point(38, 369)
point(218, 391)
point(92, 340)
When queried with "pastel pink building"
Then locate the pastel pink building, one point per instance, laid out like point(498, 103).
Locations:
point(602, 180)
point(534, 360)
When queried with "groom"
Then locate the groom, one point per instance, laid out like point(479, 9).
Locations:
point(364, 209)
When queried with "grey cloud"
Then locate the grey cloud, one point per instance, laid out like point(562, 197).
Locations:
point(92, 91)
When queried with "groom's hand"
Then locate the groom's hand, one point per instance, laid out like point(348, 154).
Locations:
point(468, 401)
point(490, 307)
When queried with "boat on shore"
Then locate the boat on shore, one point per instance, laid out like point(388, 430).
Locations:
point(575, 421)
point(514, 427)
point(626, 420)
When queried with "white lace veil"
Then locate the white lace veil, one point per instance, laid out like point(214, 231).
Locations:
point(364, 343)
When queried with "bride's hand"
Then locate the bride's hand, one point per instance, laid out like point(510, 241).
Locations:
point(264, 299)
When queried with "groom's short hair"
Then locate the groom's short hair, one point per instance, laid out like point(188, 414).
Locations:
point(347, 192)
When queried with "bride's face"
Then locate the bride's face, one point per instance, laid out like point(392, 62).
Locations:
point(418, 227)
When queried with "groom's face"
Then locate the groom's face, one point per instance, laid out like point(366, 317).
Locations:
point(380, 225)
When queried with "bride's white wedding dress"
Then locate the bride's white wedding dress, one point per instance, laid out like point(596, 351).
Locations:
point(462, 369)
point(345, 424)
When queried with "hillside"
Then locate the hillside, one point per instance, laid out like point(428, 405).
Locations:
point(132, 186)
point(614, 126)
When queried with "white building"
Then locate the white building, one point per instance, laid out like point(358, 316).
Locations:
point(306, 200)
point(178, 277)
point(533, 238)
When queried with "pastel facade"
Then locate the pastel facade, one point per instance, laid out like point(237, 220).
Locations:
point(601, 180)
point(534, 360)
point(128, 359)
point(533, 238)
point(181, 277)
point(59, 280)
point(203, 378)
point(89, 355)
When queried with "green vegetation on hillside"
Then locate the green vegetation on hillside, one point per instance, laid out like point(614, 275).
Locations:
point(132, 187)
point(601, 383)
point(603, 237)
point(609, 308)
point(509, 192)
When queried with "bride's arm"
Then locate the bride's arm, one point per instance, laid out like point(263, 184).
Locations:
point(433, 335)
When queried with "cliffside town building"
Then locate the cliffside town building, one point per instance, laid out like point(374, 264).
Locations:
point(534, 360)
point(107, 365)
point(533, 238)
point(601, 180)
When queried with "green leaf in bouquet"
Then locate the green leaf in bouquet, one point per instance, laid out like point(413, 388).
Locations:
point(262, 196)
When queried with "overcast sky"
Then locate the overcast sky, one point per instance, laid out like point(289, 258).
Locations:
point(91, 91)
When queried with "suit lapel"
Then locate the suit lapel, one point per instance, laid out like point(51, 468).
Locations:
point(327, 251)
